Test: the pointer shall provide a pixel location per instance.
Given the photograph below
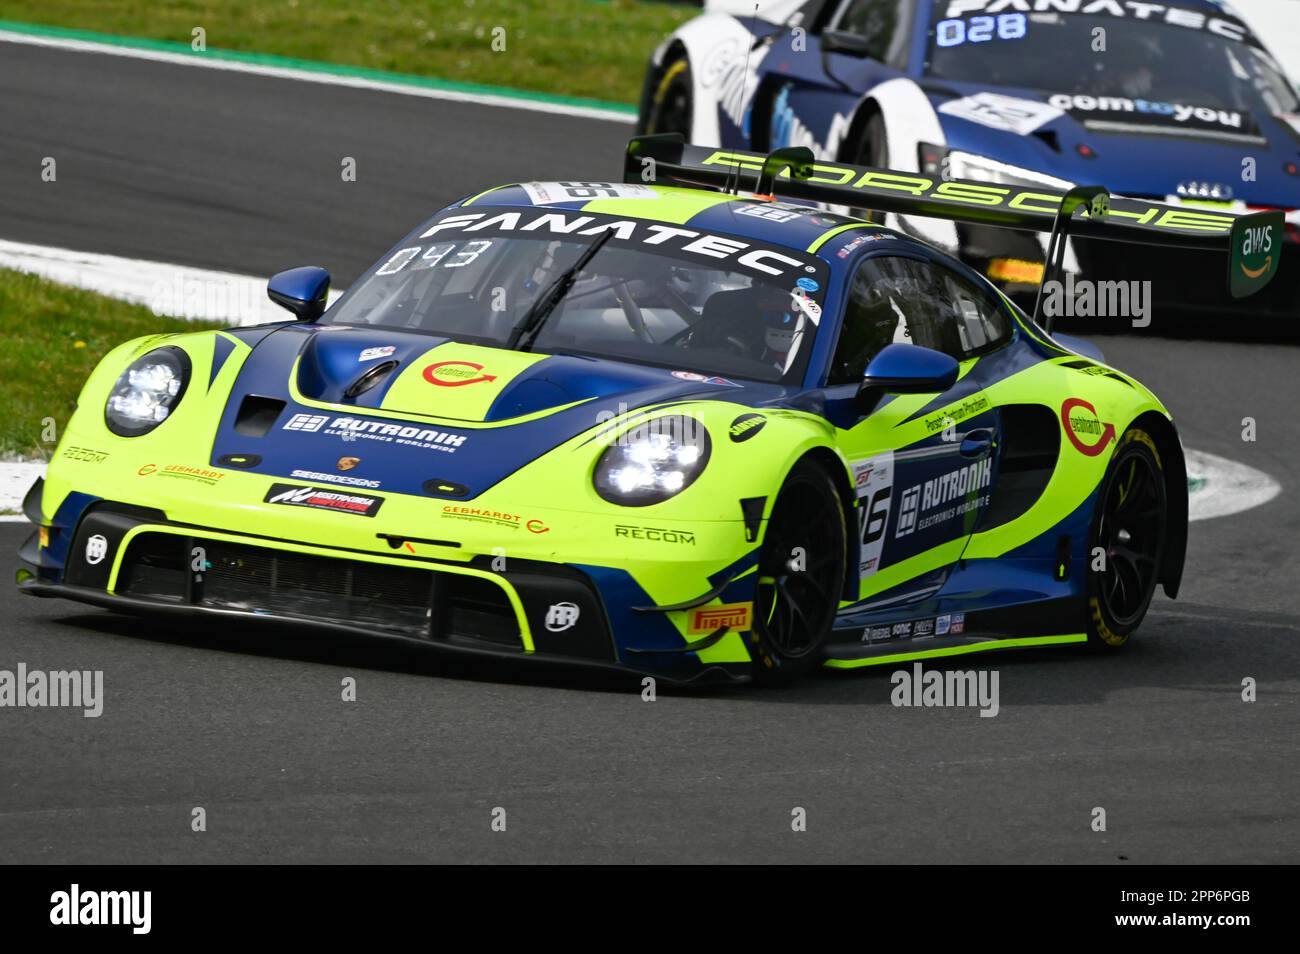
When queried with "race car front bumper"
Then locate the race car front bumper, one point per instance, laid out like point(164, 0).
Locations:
point(135, 561)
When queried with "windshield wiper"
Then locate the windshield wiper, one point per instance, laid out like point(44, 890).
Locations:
point(526, 331)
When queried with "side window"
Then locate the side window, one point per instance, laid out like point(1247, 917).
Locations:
point(883, 22)
point(968, 322)
point(909, 301)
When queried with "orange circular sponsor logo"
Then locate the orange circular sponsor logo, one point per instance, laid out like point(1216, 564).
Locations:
point(456, 374)
point(1084, 427)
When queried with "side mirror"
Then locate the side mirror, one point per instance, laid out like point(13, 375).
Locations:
point(850, 44)
point(905, 369)
point(302, 291)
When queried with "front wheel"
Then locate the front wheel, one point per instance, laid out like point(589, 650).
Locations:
point(872, 150)
point(1128, 540)
point(800, 577)
point(671, 107)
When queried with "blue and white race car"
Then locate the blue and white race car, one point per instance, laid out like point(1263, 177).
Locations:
point(1175, 102)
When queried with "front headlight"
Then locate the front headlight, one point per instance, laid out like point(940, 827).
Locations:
point(968, 165)
point(652, 461)
point(147, 392)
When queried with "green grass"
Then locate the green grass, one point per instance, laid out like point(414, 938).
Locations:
point(51, 338)
point(586, 48)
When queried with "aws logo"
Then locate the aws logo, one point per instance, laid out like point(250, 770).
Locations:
point(1255, 252)
point(1257, 240)
point(1084, 428)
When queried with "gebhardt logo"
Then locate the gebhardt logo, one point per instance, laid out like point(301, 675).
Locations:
point(455, 374)
point(182, 471)
point(499, 518)
point(1084, 427)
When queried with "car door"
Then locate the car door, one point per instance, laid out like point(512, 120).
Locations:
point(924, 465)
point(814, 79)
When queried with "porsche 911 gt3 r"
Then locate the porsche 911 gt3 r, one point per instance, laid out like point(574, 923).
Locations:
point(669, 424)
point(1177, 102)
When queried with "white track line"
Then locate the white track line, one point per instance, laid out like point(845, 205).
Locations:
point(1226, 487)
point(1220, 486)
point(523, 101)
point(175, 290)
point(16, 478)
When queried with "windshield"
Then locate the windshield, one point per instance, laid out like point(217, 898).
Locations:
point(1172, 66)
point(703, 303)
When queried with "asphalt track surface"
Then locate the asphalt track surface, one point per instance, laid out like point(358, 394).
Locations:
point(242, 173)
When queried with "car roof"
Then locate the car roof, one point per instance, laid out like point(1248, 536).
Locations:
point(779, 222)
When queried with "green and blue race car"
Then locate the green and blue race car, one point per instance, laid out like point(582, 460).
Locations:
point(672, 425)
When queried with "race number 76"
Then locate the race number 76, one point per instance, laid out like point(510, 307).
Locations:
point(872, 517)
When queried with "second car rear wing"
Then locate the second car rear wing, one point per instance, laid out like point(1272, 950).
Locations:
point(1253, 241)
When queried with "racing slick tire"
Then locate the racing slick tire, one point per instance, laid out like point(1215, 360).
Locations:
point(872, 150)
point(1129, 527)
point(671, 106)
point(801, 568)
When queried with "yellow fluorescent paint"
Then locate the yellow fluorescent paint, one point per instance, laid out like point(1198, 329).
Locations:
point(474, 199)
point(673, 205)
point(457, 381)
point(729, 649)
point(1022, 642)
point(899, 573)
point(831, 233)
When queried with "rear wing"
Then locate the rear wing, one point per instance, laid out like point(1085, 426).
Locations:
point(1253, 241)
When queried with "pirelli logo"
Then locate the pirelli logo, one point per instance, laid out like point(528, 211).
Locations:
point(738, 617)
point(842, 177)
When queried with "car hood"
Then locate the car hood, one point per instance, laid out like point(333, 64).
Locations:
point(1095, 140)
point(443, 413)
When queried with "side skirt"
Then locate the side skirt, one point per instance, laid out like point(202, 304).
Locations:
point(937, 647)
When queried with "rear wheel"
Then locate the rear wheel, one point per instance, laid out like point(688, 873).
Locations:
point(800, 577)
point(671, 102)
point(1128, 541)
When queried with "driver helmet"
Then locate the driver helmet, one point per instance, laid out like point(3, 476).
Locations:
point(779, 321)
